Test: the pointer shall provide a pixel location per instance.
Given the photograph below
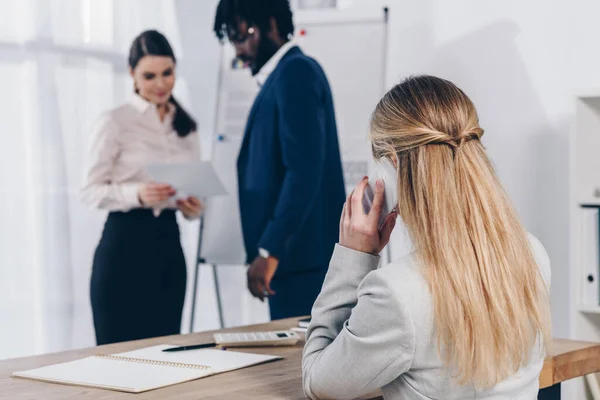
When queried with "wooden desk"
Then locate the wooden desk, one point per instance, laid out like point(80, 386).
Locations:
point(277, 380)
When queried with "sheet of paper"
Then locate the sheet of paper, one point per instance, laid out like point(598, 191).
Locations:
point(114, 374)
point(129, 374)
point(217, 360)
point(189, 179)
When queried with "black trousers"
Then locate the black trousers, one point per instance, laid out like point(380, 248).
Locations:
point(295, 294)
point(138, 277)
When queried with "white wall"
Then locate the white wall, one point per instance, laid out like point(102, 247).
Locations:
point(521, 63)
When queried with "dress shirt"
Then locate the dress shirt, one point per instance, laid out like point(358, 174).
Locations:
point(263, 74)
point(123, 142)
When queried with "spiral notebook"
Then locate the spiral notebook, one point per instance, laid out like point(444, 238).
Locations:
point(144, 369)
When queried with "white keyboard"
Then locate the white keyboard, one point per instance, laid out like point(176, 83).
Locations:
point(257, 339)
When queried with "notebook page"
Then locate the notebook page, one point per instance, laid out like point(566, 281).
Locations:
point(217, 360)
point(113, 374)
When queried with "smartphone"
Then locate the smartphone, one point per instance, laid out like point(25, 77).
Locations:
point(385, 171)
point(303, 323)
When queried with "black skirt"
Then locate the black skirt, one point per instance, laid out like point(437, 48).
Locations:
point(138, 277)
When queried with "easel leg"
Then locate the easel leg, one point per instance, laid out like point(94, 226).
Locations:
point(218, 292)
point(194, 294)
point(199, 262)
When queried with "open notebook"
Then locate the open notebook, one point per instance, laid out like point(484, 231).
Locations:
point(144, 369)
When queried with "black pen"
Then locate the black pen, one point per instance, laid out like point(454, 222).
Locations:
point(193, 347)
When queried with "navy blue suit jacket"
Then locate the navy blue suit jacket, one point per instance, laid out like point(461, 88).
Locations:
point(290, 181)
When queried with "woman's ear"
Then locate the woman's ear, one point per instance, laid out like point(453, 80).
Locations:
point(394, 160)
point(135, 88)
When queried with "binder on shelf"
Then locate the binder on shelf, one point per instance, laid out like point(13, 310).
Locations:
point(590, 245)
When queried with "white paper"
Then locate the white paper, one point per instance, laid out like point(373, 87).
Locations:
point(114, 374)
point(218, 360)
point(131, 376)
point(189, 179)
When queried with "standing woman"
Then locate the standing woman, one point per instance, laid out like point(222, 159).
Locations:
point(139, 273)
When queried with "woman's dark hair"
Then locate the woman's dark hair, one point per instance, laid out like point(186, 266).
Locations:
point(154, 43)
point(254, 12)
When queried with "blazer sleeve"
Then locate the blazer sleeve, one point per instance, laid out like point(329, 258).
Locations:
point(301, 127)
point(361, 336)
point(98, 189)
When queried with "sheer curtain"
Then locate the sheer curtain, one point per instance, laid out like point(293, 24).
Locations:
point(62, 63)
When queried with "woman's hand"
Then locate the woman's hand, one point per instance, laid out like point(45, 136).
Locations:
point(191, 207)
point(152, 193)
point(359, 231)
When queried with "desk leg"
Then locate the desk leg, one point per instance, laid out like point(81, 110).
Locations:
point(550, 393)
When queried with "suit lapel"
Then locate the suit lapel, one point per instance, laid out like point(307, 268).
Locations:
point(253, 110)
point(250, 123)
point(257, 101)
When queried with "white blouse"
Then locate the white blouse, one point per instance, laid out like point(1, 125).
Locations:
point(123, 142)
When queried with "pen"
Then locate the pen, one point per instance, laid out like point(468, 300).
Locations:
point(193, 347)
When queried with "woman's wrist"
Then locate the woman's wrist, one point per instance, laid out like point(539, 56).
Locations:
point(373, 252)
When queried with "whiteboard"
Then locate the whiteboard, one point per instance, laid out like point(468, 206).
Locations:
point(351, 48)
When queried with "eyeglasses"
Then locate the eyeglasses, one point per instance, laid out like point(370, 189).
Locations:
point(241, 39)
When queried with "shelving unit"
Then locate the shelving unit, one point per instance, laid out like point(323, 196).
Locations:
point(584, 195)
point(589, 309)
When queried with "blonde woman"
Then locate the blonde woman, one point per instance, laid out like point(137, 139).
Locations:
point(466, 314)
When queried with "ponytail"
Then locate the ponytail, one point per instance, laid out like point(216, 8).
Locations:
point(489, 298)
point(183, 123)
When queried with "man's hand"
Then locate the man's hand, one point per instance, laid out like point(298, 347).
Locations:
point(260, 274)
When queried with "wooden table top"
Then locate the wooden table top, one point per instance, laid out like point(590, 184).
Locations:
point(278, 380)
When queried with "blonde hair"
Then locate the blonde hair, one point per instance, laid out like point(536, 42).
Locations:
point(490, 301)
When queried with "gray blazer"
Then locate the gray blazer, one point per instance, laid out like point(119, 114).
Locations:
point(373, 328)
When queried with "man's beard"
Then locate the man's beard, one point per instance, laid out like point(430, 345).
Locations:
point(266, 49)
